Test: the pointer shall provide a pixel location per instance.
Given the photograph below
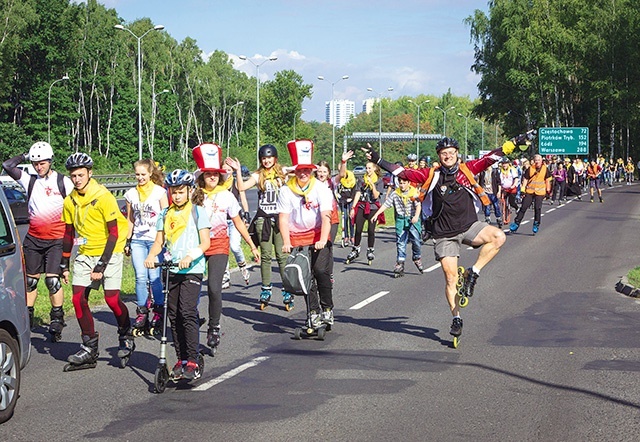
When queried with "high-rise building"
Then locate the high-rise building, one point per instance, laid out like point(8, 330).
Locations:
point(339, 112)
point(367, 105)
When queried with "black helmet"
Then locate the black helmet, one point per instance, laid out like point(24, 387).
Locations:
point(77, 160)
point(180, 177)
point(446, 142)
point(268, 150)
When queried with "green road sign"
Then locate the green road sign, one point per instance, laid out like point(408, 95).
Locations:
point(563, 141)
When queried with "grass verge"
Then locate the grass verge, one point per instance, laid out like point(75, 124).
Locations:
point(634, 277)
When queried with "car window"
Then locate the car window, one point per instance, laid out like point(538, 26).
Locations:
point(6, 234)
point(14, 194)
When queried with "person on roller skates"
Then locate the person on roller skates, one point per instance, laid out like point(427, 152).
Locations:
point(144, 204)
point(406, 207)
point(305, 207)
point(213, 192)
point(269, 179)
point(536, 184)
point(365, 203)
point(42, 246)
point(452, 198)
point(183, 229)
point(93, 221)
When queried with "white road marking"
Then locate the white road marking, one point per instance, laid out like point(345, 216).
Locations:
point(230, 373)
point(369, 300)
point(432, 268)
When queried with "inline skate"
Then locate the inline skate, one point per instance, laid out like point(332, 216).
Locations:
point(245, 272)
point(353, 254)
point(418, 263)
point(87, 357)
point(287, 300)
point(126, 345)
point(398, 270)
point(56, 323)
point(536, 227)
point(456, 331)
point(155, 325)
point(226, 279)
point(370, 255)
point(213, 338)
point(141, 324)
point(514, 227)
point(265, 297)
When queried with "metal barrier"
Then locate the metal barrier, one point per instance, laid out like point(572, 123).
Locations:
point(117, 184)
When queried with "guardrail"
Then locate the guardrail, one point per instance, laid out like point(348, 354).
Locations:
point(117, 184)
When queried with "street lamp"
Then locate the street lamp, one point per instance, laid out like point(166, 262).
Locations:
point(332, 111)
point(481, 121)
point(295, 117)
point(418, 125)
point(370, 89)
point(64, 77)
point(444, 112)
point(257, 65)
point(466, 128)
point(153, 119)
point(155, 28)
point(239, 103)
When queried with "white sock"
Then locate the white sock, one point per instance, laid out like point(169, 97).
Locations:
point(475, 270)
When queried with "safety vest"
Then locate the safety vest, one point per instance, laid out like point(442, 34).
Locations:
point(477, 188)
point(537, 183)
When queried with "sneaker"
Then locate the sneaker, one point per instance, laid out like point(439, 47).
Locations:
point(456, 327)
point(327, 316)
point(177, 371)
point(191, 371)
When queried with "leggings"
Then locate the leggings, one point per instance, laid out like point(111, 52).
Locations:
point(83, 312)
point(216, 265)
point(371, 226)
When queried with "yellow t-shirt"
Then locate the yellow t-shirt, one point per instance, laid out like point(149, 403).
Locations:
point(89, 214)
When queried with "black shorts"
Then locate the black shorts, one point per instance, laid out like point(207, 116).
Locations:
point(42, 255)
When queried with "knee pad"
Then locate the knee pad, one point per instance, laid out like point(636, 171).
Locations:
point(32, 283)
point(53, 284)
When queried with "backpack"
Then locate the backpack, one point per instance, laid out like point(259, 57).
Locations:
point(297, 276)
point(60, 181)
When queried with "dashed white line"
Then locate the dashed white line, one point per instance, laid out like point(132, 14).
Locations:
point(230, 373)
point(369, 300)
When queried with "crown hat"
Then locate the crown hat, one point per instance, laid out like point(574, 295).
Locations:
point(301, 152)
point(208, 157)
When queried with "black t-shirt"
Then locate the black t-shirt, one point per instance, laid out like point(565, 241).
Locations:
point(453, 208)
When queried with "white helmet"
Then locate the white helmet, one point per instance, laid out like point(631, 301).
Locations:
point(40, 151)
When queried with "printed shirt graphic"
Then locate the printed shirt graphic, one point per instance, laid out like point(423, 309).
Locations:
point(189, 239)
point(145, 214)
point(45, 206)
point(218, 207)
point(89, 214)
point(267, 199)
point(305, 219)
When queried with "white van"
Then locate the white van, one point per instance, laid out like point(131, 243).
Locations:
point(25, 167)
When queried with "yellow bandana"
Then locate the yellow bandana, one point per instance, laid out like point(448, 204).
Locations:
point(295, 188)
point(145, 190)
point(411, 194)
point(176, 221)
point(226, 185)
point(370, 181)
point(349, 180)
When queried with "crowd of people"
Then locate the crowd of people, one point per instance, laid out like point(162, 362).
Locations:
point(194, 219)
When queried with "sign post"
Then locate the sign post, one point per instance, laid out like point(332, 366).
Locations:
point(563, 141)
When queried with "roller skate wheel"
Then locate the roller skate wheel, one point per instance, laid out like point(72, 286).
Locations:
point(321, 333)
point(464, 301)
point(369, 262)
point(56, 337)
point(263, 305)
point(137, 332)
point(309, 331)
point(288, 307)
point(124, 361)
point(456, 341)
point(297, 334)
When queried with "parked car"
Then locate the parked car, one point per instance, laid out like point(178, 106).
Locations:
point(15, 334)
point(359, 170)
point(387, 179)
point(17, 198)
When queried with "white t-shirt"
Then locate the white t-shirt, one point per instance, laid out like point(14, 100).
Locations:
point(145, 214)
point(305, 219)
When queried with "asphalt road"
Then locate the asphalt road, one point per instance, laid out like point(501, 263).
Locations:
point(549, 353)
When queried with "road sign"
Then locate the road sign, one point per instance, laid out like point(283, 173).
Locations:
point(563, 141)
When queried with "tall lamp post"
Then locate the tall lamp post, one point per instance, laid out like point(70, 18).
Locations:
point(418, 125)
point(370, 89)
point(295, 117)
point(332, 111)
point(482, 122)
point(64, 77)
point(466, 128)
point(239, 103)
point(155, 28)
point(257, 65)
point(154, 107)
point(444, 112)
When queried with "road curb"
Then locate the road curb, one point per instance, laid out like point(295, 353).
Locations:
point(625, 288)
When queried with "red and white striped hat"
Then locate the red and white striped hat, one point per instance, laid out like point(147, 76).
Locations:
point(208, 157)
point(301, 152)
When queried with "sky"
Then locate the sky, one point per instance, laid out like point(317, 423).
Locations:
point(414, 46)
